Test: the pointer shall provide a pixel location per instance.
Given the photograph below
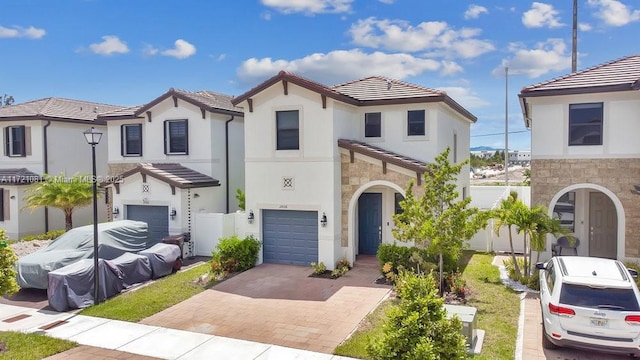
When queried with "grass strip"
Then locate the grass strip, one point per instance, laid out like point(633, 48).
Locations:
point(22, 346)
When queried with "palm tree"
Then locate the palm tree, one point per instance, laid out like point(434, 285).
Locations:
point(60, 192)
point(504, 217)
point(546, 225)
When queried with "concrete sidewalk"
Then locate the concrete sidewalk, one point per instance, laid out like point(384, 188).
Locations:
point(148, 341)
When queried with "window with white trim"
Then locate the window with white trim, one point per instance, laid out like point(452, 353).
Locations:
point(585, 124)
point(176, 137)
point(416, 123)
point(131, 137)
point(373, 125)
point(288, 130)
point(15, 144)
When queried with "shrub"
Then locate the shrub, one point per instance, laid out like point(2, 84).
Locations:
point(412, 258)
point(337, 272)
point(532, 282)
point(49, 235)
point(318, 268)
point(8, 280)
point(342, 263)
point(233, 254)
point(418, 328)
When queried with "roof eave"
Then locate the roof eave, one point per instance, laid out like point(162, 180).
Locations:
point(39, 117)
point(172, 93)
point(577, 91)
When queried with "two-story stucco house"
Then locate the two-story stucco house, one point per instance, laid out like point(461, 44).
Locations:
point(585, 154)
point(180, 154)
point(45, 137)
point(327, 166)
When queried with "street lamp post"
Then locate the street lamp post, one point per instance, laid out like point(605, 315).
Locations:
point(93, 137)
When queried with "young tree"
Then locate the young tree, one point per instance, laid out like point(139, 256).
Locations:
point(439, 220)
point(8, 273)
point(504, 216)
point(62, 193)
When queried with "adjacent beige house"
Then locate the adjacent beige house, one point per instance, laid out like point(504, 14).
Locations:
point(180, 154)
point(585, 162)
point(327, 166)
point(45, 137)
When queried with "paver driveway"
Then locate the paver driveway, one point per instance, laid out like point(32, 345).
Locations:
point(280, 304)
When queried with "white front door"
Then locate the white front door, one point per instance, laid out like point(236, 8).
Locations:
point(603, 226)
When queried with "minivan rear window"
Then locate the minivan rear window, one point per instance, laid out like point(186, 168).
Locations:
point(604, 298)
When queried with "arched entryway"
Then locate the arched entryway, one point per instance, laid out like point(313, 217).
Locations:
point(370, 215)
point(594, 215)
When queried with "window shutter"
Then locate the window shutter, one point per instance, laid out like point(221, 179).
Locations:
point(5, 204)
point(166, 140)
point(27, 140)
point(123, 138)
point(6, 142)
point(186, 137)
point(140, 126)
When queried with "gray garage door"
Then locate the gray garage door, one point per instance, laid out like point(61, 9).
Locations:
point(290, 237)
point(156, 217)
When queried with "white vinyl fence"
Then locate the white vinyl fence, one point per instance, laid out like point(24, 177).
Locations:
point(488, 197)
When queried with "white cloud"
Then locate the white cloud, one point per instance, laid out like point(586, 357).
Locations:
point(450, 68)
point(584, 27)
point(222, 57)
point(614, 13)
point(465, 97)
point(110, 45)
point(338, 66)
point(309, 7)
point(149, 50)
point(541, 15)
point(266, 15)
point(551, 55)
point(20, 32)
point(436, 37)
point(181, 50)
point(387, 1)
point(474, 11)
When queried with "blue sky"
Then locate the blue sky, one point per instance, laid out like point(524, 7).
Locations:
point(129, 52)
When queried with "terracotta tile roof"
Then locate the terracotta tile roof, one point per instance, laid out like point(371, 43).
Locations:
point(381, 88)
point(56, 108)
point(374, 90)
point(205, 99)
point(617, 75)
point(18, 176)
point(173, 174)
point(383, 155)
point(123, 113)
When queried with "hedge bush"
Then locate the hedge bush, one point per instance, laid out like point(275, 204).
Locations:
point(233, 254)
point(49, 235)
point(418, 327)
point(8, 273)
point(410, 258)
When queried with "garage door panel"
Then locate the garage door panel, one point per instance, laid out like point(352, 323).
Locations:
point(290, 237)
point(156, 218)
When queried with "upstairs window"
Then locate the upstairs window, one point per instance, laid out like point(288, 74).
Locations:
point(176, 137)
point(287, 130)
point(416, 123)
point(131, 140)
point(15, 141)
point(373, 125)
point(585, 124)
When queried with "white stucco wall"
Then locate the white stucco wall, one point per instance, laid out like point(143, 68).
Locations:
point(550, 126)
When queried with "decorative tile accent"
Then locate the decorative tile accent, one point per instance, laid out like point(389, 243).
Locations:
point(288, 183)
point(145, 188)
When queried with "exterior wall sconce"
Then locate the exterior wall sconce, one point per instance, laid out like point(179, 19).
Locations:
point(115, 212)
point(250, 217)
point(196, 195)
point(173, 213)
point(12, 197)
point(323, 220)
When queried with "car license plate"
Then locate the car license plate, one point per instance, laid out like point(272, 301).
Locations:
point(599, 322)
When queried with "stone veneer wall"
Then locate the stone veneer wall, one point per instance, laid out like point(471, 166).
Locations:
point(549, 176)
point(359, 173)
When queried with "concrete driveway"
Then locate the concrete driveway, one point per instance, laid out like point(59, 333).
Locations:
point(532, 339)
point(282, 305)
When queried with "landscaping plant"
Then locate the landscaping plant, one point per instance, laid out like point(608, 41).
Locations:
point(439, 220)
point(319, 268)
point(8, 273)
point(233, 254)
point(418, 327)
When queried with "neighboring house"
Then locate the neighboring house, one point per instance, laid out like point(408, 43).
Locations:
point(180, 154)
point(327, 166)
point(45, 136)
point(585, 163)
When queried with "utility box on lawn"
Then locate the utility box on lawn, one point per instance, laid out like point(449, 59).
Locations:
point(467, 315)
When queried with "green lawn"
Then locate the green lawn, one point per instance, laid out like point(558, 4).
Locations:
point(136, 305)
point(21, 346)
point(498, 311)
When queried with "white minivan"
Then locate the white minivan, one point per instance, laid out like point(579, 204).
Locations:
point(589, 303)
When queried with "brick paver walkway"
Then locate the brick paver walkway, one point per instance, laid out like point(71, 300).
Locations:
point(280, 304)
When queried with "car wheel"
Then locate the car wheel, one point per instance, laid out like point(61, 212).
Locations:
point(546, 343)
